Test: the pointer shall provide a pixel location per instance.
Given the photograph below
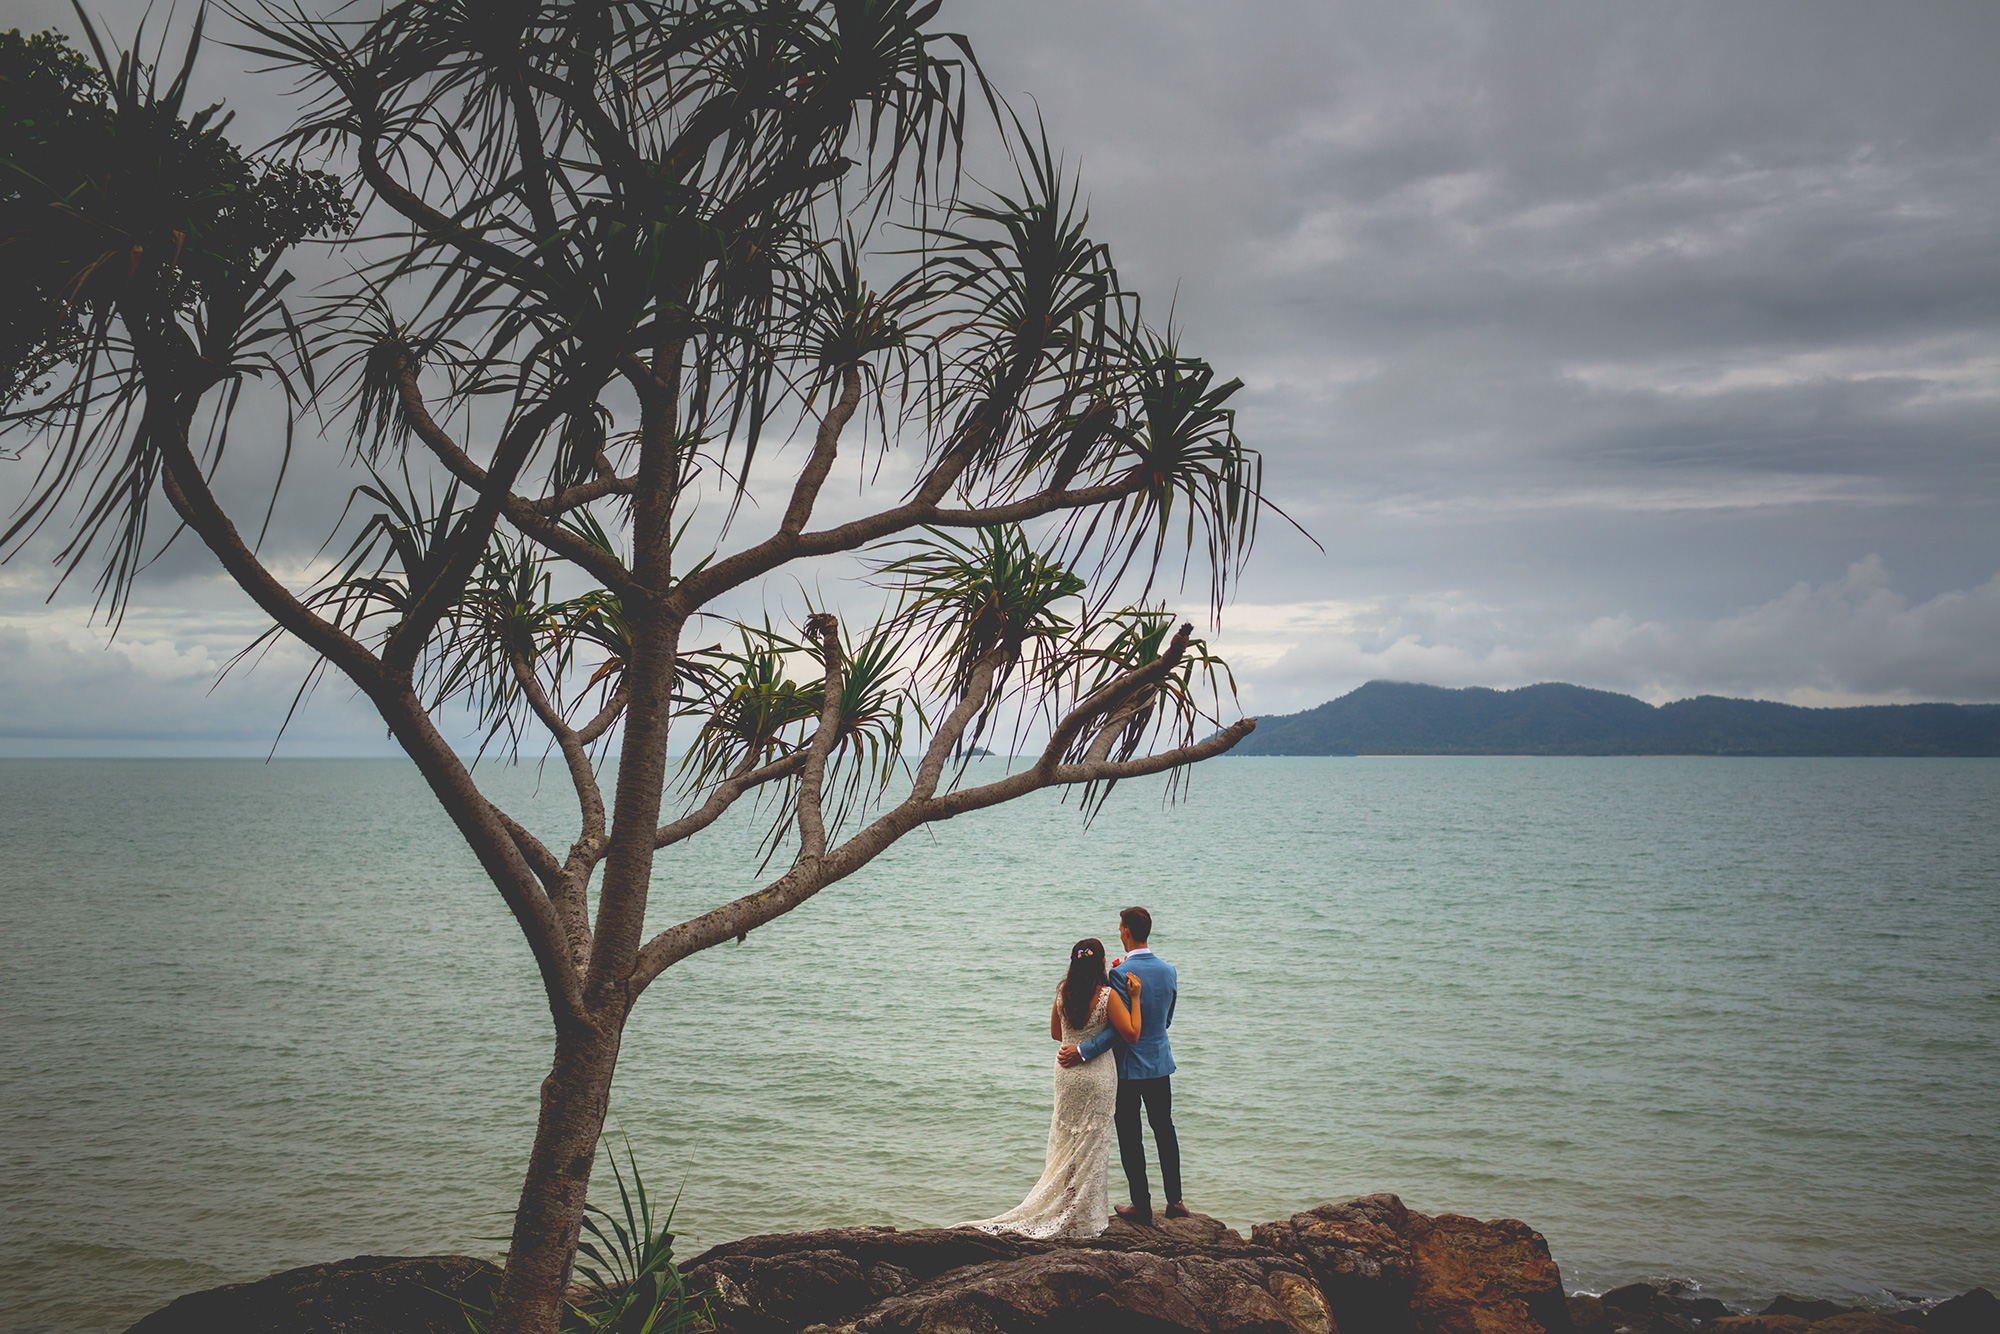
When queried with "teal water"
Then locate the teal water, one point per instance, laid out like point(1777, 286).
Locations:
point(1728, 1020)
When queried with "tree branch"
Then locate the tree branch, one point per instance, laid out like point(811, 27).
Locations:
point(528, 516)
point(564, 883)
point(569, 498)
point(536, 853)
point(977, 687)
point(812, 815)
point(1111, 697)
point(573, 875)
point(534, 165)
point(511, 267)
point(606, 716)
point(582, 775)
point(921, 508)
point(605, 136)
point(724, 796)
point(1069, 775)
point(468, 544)
point(825, 447)
point(1033, 507)
point(807, 878)
point(188, 492)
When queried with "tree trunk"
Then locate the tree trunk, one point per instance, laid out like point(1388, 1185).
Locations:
point(575, 1098)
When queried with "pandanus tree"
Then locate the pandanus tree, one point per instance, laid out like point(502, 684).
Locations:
point(610, 252)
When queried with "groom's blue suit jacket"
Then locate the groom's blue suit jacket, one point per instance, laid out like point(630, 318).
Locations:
point(1152, 1055)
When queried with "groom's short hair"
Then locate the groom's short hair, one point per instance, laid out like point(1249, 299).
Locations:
point(1139, 922)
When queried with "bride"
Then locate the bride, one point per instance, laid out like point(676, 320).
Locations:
point(1070, 1200)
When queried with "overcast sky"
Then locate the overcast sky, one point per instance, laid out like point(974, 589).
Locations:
point(1652, 347)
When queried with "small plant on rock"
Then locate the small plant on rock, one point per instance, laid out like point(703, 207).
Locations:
point(626, 1260)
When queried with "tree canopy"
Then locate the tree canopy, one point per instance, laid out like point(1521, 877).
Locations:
point(609, 253)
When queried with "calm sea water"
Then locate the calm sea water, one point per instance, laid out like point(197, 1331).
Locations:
point(1727, 1020)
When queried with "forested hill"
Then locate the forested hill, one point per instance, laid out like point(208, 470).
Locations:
point(1394, 718)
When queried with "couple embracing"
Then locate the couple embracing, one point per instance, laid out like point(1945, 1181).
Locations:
point(1114, 1060)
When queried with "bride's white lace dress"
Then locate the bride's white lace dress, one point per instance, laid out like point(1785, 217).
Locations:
point(1071, 1199)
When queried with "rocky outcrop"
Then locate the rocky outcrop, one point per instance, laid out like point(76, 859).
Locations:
point(1976, 1312)
point(1809, 1309)
point(1386, 1269)
point(1758, 1324)
point(371, 1294)
point(1641, 1308)
point(1358, 1255)
point(1369, 1266)
point(1186, 1274)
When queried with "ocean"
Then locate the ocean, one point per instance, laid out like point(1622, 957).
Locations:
point(1730, 1021)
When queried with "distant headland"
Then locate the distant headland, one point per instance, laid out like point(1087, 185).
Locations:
point(1398, 718)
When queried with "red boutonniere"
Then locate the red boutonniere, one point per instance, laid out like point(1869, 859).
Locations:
point(1117, 961)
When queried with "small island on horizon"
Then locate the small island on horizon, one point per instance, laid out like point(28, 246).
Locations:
point(1403, 718)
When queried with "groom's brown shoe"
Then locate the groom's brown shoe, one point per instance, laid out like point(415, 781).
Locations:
point(1132, 1213)
point(1177, 1210)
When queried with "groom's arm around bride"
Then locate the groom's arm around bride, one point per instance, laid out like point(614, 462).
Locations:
point(1153, 1055)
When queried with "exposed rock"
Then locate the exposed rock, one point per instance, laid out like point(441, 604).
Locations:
point(1811, 1310)
point(1358, 1255)
point(1697, 1309)
point(371, 1294)
point(1645, 1309)
point(1589, 1315)
point(1669, 1322)
point(785, 1281)
point(1385, 1269)
point(1860, 1322)
point(1485, 1278)
point(1190, 1274)
point(1101, 1289)
point(1633, 1297)
point(1369, 1266)
point(1757, 1324)
point(1976, 1312)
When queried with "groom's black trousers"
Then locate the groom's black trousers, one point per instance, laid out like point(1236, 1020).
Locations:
point(1158, 1097)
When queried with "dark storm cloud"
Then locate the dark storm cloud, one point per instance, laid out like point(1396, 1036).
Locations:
point(1648, 346)
point(1558, 313)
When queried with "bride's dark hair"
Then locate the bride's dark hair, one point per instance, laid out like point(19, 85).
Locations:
point(1086, 975)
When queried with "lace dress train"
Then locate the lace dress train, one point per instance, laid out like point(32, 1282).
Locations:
point(1071, 1199)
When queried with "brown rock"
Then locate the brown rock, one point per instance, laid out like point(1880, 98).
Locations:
point(1633, 1297)
point(371, 1294)
point(1814, 1309)
point(1385, 1269)
point(1860, 1322)
point(1193, 1274)
point(1756, 1324)
point(1588, 1315)
point(1698, 1309)
point(788, 1280)
point(1369, 1266)
point(1485, 1278)
point(1074, 1287)
point(1358, 1255)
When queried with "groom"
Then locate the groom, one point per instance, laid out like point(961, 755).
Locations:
point(1143, 1070)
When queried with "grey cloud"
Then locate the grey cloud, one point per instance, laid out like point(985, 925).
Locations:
point(1854, 639)
point(63, 691)
point(1584, 334)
